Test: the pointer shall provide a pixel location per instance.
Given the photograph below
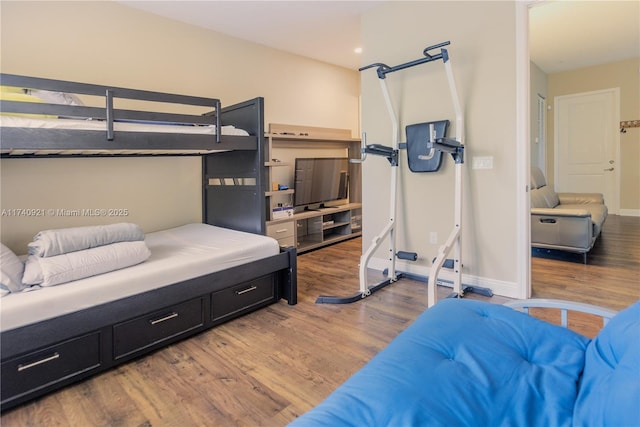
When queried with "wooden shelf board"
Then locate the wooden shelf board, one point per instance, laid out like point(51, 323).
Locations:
point(308, 132)
point(278, 192)
point(276, 164)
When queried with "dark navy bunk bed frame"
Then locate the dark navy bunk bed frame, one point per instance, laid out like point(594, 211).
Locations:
point(42, 357)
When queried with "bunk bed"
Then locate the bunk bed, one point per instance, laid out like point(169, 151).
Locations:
point(45, 352)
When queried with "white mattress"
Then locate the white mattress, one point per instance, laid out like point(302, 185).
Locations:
point(98, 125)
point(177, 254)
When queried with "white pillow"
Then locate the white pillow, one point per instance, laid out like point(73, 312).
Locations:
point(55, 270)
point(11, 269)
point(49, 243)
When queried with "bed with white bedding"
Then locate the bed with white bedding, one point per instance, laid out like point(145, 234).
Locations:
point(196, 277)
point(177, 254)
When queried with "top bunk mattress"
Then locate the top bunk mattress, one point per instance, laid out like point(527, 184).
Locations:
point(177, 254)
point(101, 126)
point(125, 126)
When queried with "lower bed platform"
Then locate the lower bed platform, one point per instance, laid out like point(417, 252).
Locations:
point(52, 351)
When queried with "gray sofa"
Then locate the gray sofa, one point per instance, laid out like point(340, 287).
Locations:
point(564, 221)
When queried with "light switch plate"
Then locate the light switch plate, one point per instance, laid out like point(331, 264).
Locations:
point(484, 162)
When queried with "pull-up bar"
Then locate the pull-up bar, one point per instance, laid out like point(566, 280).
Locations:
point(384, 69)
point(455, 147)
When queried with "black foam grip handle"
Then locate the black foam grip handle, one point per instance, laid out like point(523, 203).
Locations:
point(411, 256)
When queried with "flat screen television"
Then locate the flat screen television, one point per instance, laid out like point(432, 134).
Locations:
point(320, 180)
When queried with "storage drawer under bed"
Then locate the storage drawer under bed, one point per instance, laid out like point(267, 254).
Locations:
point(50, 365)
point(232, 300)
point(142, 332)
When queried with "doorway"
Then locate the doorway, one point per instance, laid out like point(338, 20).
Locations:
point(586, 144)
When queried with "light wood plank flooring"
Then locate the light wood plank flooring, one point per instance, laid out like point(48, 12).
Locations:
point(266, 368)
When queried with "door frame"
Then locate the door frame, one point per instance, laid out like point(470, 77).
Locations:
point(614, 204)
point(523, 149)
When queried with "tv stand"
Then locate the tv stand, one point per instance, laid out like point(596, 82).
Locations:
point(317, 228)
point(312, 229)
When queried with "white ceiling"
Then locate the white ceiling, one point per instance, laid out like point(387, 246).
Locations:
point(325, 30)
point(564, 34)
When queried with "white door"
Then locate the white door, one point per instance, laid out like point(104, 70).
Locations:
point(586, 144)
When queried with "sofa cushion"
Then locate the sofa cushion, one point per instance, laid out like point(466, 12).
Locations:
point(609, 392)
point(550, 196)
point(537, 178)
point(537, 199)
point(463, 362)
point(581, 198)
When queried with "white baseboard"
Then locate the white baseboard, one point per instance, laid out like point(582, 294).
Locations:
point(629, 212)
point(498, 287)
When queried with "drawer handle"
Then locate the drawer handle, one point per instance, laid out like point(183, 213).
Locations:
point(244, 291)
point(54, 356)
point(164, 319)
point(282, 230)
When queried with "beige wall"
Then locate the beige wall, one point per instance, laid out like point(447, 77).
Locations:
point(626, 76)
point(109, 43)
point(483, 56)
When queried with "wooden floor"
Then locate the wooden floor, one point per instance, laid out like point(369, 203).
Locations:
point(611, 277)
point(266, 368)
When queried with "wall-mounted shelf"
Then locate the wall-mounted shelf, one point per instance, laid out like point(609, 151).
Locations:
point(274, 164)
point(278, 192)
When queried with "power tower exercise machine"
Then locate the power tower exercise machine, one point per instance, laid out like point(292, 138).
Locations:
point(425, 144)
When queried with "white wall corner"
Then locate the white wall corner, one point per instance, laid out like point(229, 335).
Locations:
point(523, 236)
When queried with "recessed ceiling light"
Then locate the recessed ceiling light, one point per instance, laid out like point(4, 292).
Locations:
point(358, 50)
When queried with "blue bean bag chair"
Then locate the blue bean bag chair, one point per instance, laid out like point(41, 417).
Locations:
point(471, 363)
